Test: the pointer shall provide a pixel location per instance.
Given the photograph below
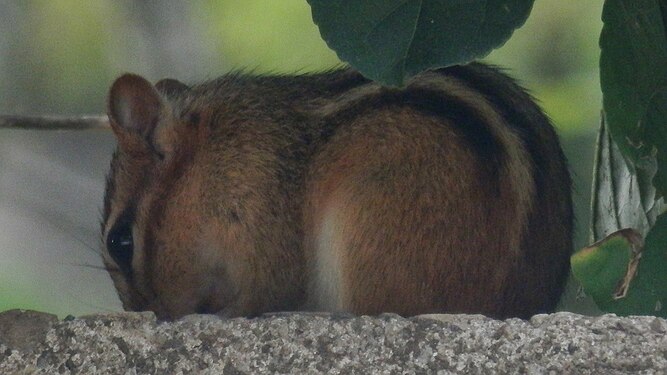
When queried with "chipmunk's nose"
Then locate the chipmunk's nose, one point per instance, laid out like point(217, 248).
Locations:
point(160, 312)
point(205, 307)
point(166, 311)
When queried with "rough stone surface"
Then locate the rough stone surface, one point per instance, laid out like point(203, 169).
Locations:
point(135, 343)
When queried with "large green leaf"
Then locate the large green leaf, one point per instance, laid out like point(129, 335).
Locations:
point(619, 273)
point(389, 40)
point(633, 75)
point(654, 127)
point(623, 275)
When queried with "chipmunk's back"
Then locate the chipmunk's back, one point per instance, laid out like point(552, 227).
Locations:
point(329, 192)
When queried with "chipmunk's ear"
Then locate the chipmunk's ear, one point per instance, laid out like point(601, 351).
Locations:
point(171, 88)
point(134, 105)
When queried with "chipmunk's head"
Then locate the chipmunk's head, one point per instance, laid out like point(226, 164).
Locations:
point(160, 235)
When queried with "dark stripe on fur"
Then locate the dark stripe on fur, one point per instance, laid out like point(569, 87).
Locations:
point(466, 120)
point(515, 105)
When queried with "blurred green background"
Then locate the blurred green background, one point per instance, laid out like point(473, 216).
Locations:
point(60, 56)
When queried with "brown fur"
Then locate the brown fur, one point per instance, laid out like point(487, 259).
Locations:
point(253, 194)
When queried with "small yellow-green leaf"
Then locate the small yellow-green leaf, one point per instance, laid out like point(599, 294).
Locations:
point(624, 277)
point(601, 267)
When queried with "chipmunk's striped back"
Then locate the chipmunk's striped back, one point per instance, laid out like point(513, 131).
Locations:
point(329, 192)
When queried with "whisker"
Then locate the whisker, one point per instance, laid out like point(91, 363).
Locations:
point(94, 249)
point(92, 266)
point(110, 269)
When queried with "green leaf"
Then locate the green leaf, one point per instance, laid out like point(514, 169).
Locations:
point(633, 76)
point(622, 276)
point(601, 266)
point(631, 164)
point(390, 40)
point(654, 126)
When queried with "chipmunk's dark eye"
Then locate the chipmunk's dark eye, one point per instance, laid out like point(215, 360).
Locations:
point(120, 245)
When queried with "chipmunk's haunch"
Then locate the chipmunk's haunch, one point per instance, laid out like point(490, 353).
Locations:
point(329, 192)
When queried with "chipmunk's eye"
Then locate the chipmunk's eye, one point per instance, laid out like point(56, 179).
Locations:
point(120, 245)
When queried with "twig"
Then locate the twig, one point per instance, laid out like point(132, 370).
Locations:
point(54, 122)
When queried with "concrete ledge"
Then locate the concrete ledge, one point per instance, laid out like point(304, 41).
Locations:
point(32, 342)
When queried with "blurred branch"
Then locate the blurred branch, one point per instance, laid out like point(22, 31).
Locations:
point(54, 122)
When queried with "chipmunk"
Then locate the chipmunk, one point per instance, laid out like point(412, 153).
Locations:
point(329, 192)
